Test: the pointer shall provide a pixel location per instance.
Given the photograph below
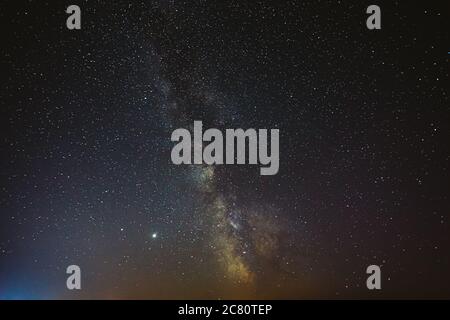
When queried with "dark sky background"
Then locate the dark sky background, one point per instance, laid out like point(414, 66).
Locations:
point(86, 175)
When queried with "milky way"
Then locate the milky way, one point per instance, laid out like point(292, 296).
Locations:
point(87, 177)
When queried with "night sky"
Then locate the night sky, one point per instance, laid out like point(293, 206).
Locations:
point(86, 176)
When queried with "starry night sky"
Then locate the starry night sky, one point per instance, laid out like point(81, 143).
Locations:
point(87, 179)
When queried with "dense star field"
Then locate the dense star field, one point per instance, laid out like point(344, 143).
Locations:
point(87, 178)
